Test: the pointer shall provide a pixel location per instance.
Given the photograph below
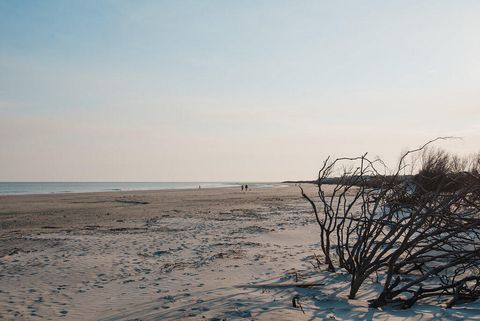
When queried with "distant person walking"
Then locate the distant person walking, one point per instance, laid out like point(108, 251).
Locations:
point(246, 188)
point(242, 187)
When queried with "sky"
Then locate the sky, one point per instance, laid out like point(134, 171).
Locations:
point(230, 90)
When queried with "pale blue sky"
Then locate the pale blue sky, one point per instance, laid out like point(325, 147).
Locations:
point(229, 90)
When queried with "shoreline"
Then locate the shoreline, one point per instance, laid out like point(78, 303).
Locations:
point(255, 185)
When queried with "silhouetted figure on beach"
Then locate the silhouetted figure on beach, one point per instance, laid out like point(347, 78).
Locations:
point(242, 187)
point(246, 188)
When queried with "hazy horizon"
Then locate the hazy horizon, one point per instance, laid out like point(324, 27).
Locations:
point(122, 91)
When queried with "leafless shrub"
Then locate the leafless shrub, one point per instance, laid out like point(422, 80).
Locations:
point(422, 231)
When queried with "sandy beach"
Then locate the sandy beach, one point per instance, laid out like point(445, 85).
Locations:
point(123, 255)
point(209, 254)
point(129, 131)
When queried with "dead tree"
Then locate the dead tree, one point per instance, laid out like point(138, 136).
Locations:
point(337, 205)
point(421, 230)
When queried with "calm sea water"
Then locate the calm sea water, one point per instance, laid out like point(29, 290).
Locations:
point(9, 188)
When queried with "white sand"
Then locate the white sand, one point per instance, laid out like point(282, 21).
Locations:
point(192, 254)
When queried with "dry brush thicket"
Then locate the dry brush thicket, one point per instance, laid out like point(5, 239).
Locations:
point(416, 228)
